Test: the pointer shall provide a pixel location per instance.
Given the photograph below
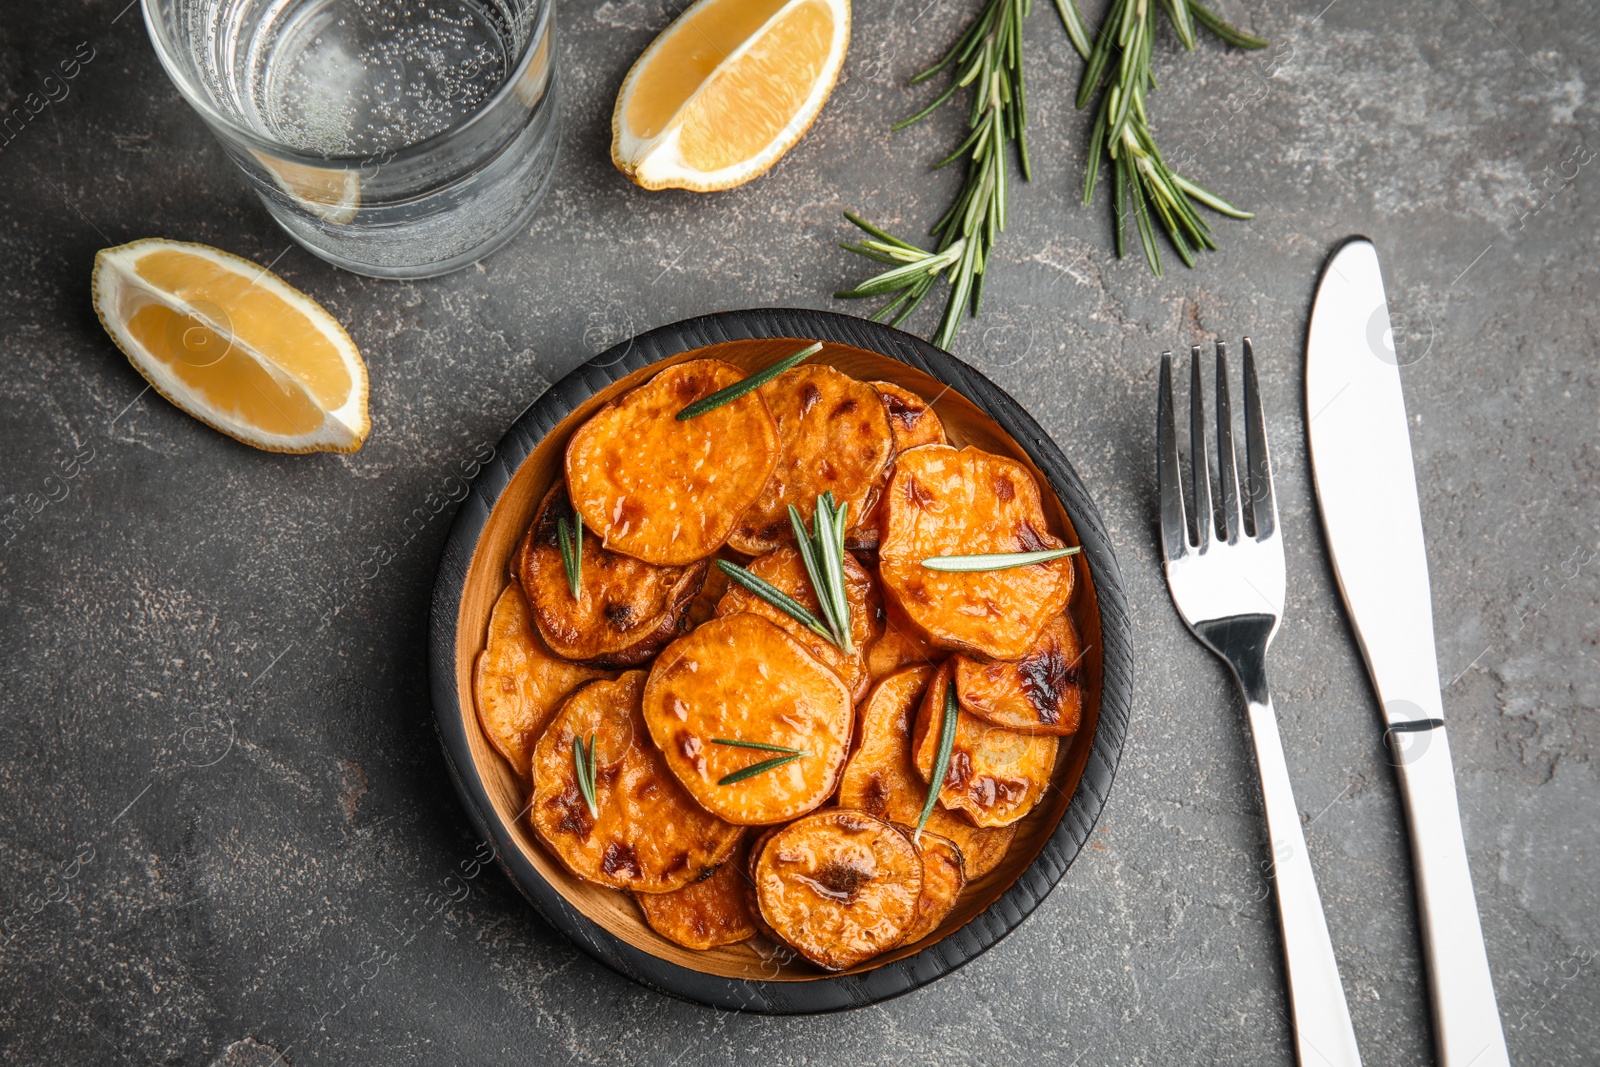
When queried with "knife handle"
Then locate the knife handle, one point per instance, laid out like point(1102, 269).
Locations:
point(1322, 1030)
point(1466, 1020)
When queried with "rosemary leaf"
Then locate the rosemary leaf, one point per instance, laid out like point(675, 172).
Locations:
point(759, 768)
point(987, 57)
point(583, 765)
point(776, 597)
point(762, 745)
point(1238, 38)
point(822, 551)
point(941, 762)
point(812, 561)
point(740, 388)
point(1118, 67)
point(571, 540)
point(997, 561)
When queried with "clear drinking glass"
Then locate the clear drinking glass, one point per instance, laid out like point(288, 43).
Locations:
point(396, 138)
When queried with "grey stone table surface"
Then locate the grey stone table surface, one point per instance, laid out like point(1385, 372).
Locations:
point(225, 811)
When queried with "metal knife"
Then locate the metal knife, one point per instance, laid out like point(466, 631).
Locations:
point(1367, 492)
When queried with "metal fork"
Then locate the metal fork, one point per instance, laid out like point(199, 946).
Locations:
point(1228, 585)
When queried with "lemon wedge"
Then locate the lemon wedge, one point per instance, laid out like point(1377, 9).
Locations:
point(234, 345)
point(331, 194)
point(726, 90)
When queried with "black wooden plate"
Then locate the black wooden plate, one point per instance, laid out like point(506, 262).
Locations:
point(821, 993)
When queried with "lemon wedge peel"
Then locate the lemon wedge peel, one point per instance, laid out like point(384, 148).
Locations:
point(324, 412)
point(657, 162)
point(332, 195)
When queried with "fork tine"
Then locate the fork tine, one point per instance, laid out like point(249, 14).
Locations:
point(1204, 517)
point(1263, 503)
point(1169, 483)
point(1232, 520)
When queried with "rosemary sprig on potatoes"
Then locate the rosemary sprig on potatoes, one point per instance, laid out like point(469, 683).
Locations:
point(776, 597)
point(571, 540)
point(753, 382)
point(583, 765)
point(822, 550)
point(760, 745)
point(941, 762)
point(760, 768)
point(997, 561)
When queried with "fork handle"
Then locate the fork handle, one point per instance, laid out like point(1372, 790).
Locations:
point(1322, 1030)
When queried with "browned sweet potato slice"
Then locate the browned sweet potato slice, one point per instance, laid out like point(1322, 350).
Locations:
point(942, 501)
point(900, 645)
point(882, 779)
point(834, 437)
point(863, 539)
point(703, 608)
point(665, 491)
point(705, 914)
point(517, 684)
point(839, 886)
point(912, 420)
point(756, 848)
point(742, 678)
point(784, 568)
point(648, 836)
point(942, 882)
point(626, 609)
point(1042, 692)
point(996, 775)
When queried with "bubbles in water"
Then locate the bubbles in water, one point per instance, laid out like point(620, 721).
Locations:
point(348, 77)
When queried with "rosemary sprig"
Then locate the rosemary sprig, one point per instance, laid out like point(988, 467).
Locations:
point(744, 385)
point(776, 597)
point(1119, 62)
point(997, 561)
point(571, 541)
point(759, 768)
point(762, 745)
point(941, 762)
point(987, 56)
point(583, 764)
point(822, 551)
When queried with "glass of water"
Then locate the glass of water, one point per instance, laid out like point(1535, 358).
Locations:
point(395, 138)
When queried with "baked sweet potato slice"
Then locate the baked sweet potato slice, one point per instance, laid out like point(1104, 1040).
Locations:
point(899, 645)
point(742, 678)
point(647, 834)
point(626, 609)
point(912, 420)
point(995, 776)
point(839, 886)
point(516, 684)
point(1042, 692)
point(881, 778)
point(834, 437)
point(705, 914)
point(942, 882)
point(784, 568)
point(665, 491)
point(912, 423)
point(944, 501)
point(757, 846)
point(703, 608)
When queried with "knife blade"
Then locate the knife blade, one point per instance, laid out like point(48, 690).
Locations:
point(1367, 492)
